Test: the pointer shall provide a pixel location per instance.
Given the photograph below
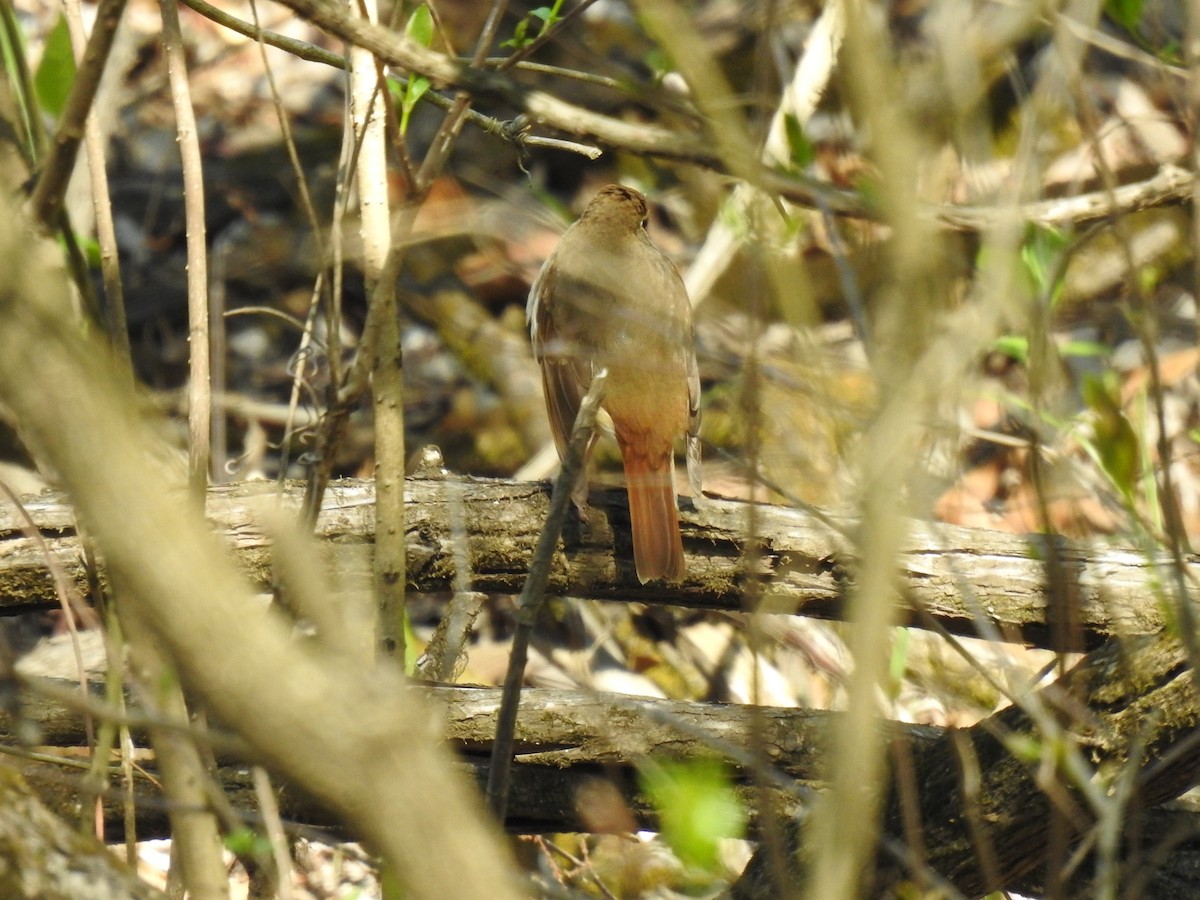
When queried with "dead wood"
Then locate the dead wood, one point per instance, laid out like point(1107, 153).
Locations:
point(988, 797)
point(566, 742)
point(957, 577)
point(1126, 708)
point(1129, 710)
point(46, 859)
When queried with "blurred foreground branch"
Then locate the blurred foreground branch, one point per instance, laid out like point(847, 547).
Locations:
point(311, 712)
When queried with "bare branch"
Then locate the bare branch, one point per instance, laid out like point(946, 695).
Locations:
point(60, 162)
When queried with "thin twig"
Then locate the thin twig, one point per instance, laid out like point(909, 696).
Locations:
point(274, 828)
point(1168, 186)
point(338, 403)
point(500, 63)
point(532, 140)
point(448, 131)
point(368, 116)
point(60, 161)
point(307, 328)
point(195, 834)
point(495, 127)
point(533, 595)
point(140, 720)
point(546, 36)
point(114, 687)
point(199, 362)
point(106, 236)
point(1171, 185)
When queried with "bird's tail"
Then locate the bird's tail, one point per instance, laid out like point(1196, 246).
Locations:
point(654, 517)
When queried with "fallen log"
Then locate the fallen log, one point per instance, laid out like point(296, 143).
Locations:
point(961, 579)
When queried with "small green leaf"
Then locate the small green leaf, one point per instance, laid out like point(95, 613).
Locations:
point(56, 72)
point(548, 15)
point(1126, 13)
point(417, 86)
point(1170, 52)
point(412, 647)
point(1024, 747)
point(1041, 252)
point(91, 250)
point(697, 807)
point(1115, 441)
point(870, 190)
point(246, 842)
point(1084, 349)
point(1013, 346)
point(659, 62)
point(801, 152)
point(518, 40)
point(420, 26)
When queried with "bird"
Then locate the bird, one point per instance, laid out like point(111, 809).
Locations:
point(607, 298)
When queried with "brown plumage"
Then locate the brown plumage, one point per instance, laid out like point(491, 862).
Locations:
point(608, 298)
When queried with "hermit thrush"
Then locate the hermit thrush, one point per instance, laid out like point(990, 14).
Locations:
point(608, 298)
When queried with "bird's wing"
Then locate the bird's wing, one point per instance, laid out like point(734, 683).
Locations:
point(535, 306)
point(565, 378)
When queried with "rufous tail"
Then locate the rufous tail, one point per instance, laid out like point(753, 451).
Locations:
point(654, 517)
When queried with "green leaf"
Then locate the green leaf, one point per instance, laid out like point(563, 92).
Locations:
point(1115, 441)
point(91, 250)
point(420, 26)
point(1042, 256)
point(518, 40)
point(1126, 13)
point(548, 15)
point(870, 190)
point(412, 647)
point(246, 842)
point(417, 86)
point(418, 29)
point(1041, 252)
point(1084, 349)
point(1013, 346)
point(1024, 747)
point(801, 151)
point(697, 807)
point(56, 72)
